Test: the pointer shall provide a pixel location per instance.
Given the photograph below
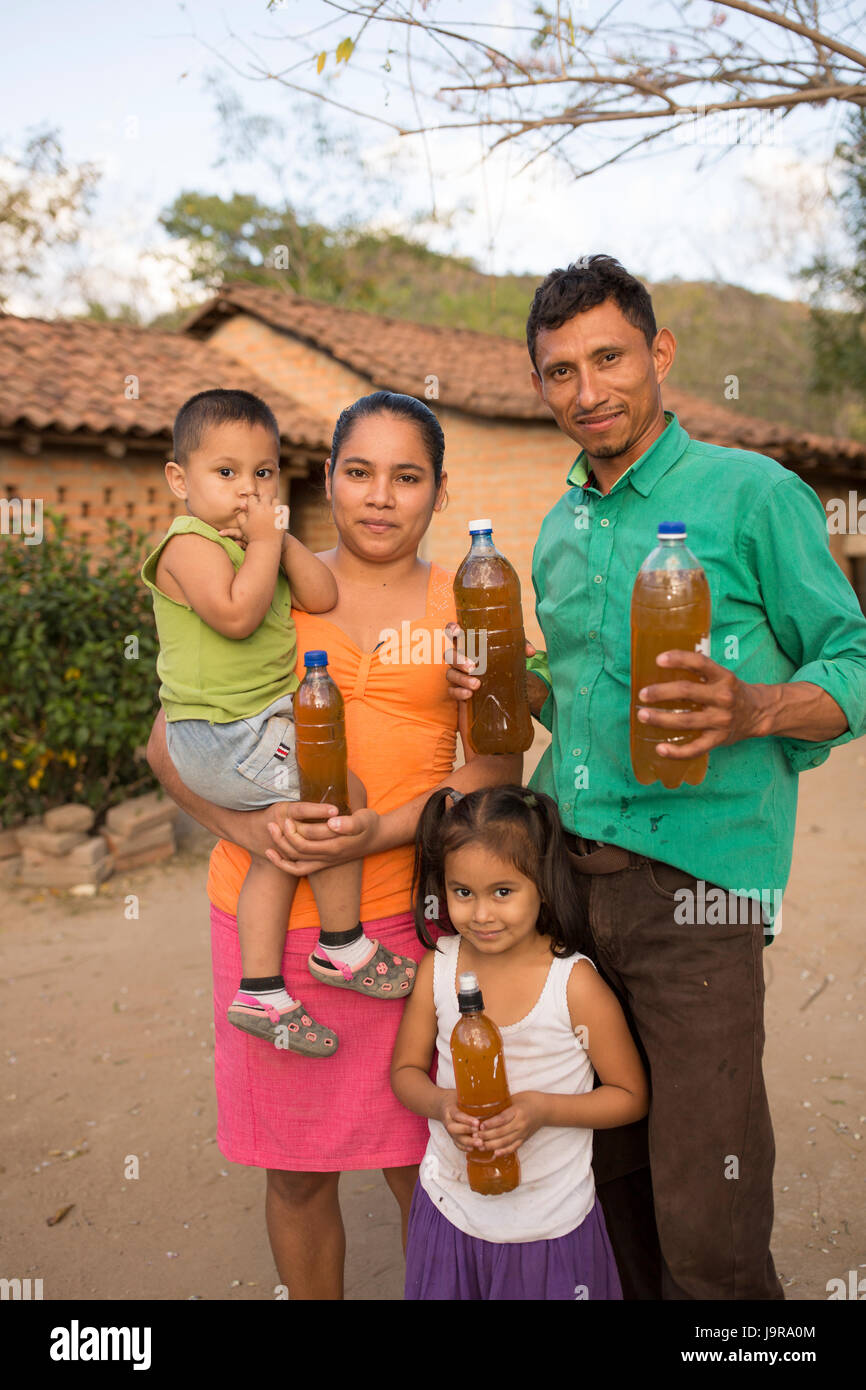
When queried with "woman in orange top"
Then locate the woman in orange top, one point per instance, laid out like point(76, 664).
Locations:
point(304, 1120)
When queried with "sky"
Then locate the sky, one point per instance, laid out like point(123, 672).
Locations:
point(133, 88)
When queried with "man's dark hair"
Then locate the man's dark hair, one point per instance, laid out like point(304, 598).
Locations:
point(217, 407)
point(587, 283)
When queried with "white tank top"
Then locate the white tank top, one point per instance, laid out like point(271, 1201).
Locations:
point(542, 1053)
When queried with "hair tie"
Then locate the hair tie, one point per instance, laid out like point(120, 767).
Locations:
point(530, 800)
point(455, 795)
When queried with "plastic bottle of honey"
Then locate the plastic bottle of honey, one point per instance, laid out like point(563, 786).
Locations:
point(670, 610)
point(482, 1087)
point(489, 610)
point(320, 736)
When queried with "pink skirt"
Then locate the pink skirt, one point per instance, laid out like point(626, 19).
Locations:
point(313, 1115)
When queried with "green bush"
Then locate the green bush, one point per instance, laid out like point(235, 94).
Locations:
point(77, 695)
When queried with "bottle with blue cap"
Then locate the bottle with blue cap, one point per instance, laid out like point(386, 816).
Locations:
point(320, 736)
point(670, 611)
point(490, 612)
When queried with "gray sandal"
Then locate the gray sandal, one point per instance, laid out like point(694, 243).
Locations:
point(293, 1030)
point(382, 975)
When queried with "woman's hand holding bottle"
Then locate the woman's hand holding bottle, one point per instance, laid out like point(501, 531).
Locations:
point(302, 849)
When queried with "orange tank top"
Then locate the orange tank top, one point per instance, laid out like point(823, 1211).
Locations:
point(401, 730)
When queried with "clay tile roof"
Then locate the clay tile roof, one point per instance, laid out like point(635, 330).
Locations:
point(70, 376)
point(489, 376)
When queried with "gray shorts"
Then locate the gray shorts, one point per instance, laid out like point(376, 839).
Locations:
point(243, 765)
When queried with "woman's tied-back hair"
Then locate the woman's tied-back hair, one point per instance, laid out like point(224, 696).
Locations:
point(403, 408)
point(519, 826)
point(218, 407)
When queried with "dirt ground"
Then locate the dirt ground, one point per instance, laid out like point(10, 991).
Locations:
point(108, 1069)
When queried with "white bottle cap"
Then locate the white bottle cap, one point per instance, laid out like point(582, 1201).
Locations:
point(484, 524)
point(468, 983)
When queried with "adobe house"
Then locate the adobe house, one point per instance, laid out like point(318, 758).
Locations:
point(73, 431)
point(86, 413)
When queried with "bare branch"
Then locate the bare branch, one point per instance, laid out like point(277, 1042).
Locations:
point(819, 39)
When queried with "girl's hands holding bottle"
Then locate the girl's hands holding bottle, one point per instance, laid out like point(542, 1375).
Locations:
point(462, 1128)
point(512, 1127)
point(504, 1133)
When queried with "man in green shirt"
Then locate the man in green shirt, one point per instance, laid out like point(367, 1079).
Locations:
point(679, 886)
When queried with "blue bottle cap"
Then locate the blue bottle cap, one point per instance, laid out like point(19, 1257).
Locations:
point(315, 658)
point(672, 528)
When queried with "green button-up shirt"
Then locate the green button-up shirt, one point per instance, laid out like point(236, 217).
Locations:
point(781, 611)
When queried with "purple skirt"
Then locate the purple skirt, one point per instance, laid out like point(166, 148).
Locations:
point(444, 1263)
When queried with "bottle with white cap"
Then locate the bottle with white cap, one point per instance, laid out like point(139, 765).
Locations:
point(670, 611)
point(490, 613)
point(482, 1086)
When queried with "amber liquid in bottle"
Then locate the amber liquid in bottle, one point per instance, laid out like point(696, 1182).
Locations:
point(320, 736)
point(482, 1087)
point(489, 610)
point(670, 610)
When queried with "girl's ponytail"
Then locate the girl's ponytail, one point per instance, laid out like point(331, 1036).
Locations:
point(427, 877)
point(563, 916)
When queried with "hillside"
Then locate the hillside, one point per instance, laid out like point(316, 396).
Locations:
point(722, 331)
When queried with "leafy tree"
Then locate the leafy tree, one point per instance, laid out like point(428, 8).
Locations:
point(43, 202)
point(78, 695)
point(839, 338)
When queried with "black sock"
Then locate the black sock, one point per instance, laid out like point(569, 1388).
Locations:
point(332, 940)
point(270, 982)
point(341, 938)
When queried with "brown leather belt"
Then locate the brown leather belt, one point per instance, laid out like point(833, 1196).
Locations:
point(593, 857)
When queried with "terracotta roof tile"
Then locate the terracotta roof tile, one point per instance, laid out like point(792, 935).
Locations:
point(489, 376)
point(70, 376)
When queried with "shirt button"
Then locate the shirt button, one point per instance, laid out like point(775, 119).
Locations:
point(599, 579)
point(583, 689)
point(576, 752)
point(566, 805)
point(605, 521)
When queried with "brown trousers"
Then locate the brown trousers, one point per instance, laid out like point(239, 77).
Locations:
point(687, 1193)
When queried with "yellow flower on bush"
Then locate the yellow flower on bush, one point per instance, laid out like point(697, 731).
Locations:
point(72, 673)
point(17, 762)
point(35, 779)
point(67, 756)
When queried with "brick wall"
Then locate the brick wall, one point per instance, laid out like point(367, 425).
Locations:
point(508, 470)
point(86, 486)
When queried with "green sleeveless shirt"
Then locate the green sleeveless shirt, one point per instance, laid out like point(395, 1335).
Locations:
point(208, 676)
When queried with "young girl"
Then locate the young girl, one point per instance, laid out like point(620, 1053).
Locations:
point(498, 859)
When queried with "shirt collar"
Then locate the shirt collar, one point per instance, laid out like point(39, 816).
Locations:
point(645, 472)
